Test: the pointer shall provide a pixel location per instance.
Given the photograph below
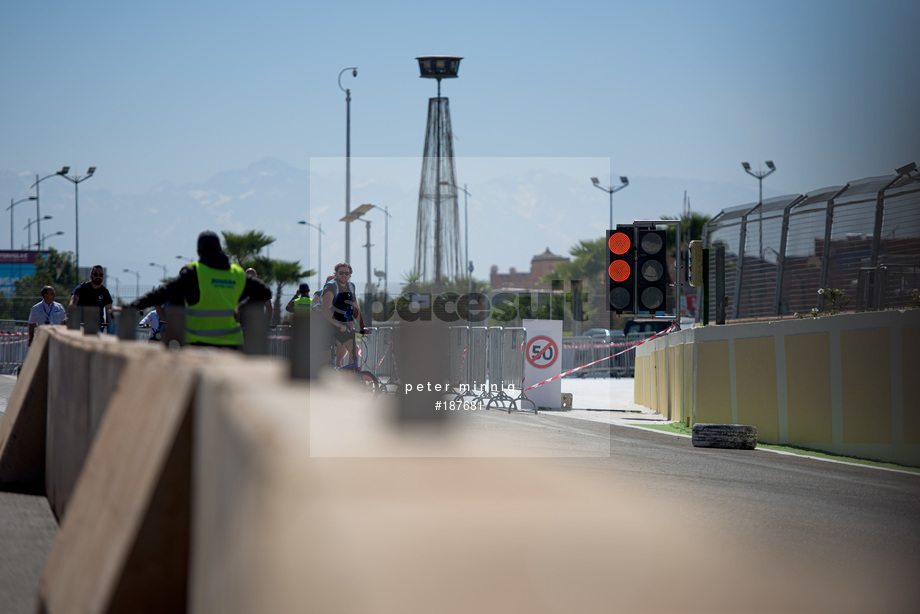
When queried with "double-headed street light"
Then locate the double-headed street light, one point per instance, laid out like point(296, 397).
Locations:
point(10, 209)
point(75, 180)
point(760, 175)
point(319, 251)
point(38, 214)
point(610, 190)
point(28, 229)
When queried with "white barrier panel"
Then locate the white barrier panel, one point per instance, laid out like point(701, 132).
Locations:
point(543, 360)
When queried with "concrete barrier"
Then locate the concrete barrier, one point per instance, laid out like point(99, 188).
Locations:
point(214, 483)
point(843, 384)
point(123, 544)
point(22, 430)
point(85, 371)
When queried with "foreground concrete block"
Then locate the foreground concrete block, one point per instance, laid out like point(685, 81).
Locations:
point(123, 545)
point(22, 430)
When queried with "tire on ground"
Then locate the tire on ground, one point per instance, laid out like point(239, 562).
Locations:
point(733, 436)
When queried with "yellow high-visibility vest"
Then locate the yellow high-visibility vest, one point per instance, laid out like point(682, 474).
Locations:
point(303, 304)
point(211, 320)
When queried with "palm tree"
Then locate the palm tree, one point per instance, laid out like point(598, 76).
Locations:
point(691, 226)
point(242, 248)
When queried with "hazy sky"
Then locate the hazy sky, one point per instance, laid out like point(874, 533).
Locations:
point(673, 95)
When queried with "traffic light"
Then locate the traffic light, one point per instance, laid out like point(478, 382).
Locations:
point(621, 264)
point(651, 266)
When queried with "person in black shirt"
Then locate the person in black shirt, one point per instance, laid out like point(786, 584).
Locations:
point(92, 294)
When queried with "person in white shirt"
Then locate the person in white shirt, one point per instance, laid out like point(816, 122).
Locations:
point(152, 321)
point(46, 311)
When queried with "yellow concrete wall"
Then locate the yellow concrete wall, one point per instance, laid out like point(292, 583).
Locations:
point(846, 384)
point(910, 361)
point(808, 377)
point(713, 393)
point(755, 381)
point(673, 384)
point(640, 397)
point(686, 415)
point(866, 379)
point(661, 390)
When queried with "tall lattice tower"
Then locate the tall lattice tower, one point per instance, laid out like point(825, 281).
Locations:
point(437, 234)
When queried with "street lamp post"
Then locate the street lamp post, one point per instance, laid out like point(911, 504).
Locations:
point(75, 180)
point(370, 283)
point(357, 213)
point(162, 266)
point(319, 251)
point(351, 217)
point(386, 248)
point(386, 245)
point(10, 209)
point(760, 175)
point(137, 282)
point(53, 234)
point(64, 170)
point(28, 229)
point(610, 190)
point(354, 73)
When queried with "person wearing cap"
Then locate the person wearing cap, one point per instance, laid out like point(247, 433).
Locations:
point(301, 303)
point(212, 290)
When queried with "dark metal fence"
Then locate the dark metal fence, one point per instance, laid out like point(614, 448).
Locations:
point(862, 238)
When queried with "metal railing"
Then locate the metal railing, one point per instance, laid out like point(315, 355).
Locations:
point(14, 345)
point(862, 238)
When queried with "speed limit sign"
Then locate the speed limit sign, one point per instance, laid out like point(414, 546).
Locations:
point(542, 352)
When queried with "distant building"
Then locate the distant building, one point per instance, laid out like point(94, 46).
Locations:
point(540, 265)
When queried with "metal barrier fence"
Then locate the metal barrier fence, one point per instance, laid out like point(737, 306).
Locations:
point(862, 238)
point(378, 355)
point(14, 345)
point(485, 362)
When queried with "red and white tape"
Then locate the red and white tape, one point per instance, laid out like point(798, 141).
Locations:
point(570, 371)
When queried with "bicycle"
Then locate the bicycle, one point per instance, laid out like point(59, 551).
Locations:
point(366, 379)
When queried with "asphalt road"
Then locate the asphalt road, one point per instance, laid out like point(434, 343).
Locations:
point(850, 532)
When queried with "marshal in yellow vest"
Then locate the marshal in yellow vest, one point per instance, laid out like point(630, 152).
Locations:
point(211, 321)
